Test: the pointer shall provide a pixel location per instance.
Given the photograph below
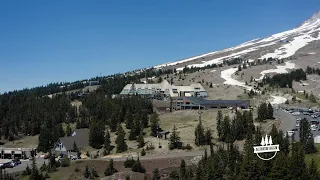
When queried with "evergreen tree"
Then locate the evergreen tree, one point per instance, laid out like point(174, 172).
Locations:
point(69, 131)
point(87, 173)
point(94, 173)
point(137, 167)
point(96, 134)
point(225, 130)
point(140, 140)
point(35, 175)
point(219, 123)
point(250, 126)
point(45, 140)
point(75, 147)
point(110, 169)
point(208, 137)
point(175, 139)
point(120, 141)
point(304, 131)
point(280, 168)
point(183, 170)
point(107, 142)
point(297, 165)
point(156, 174)
point(199, 135)
point(128, 119)
point(262, 112)
point(310, 147)
point(312, 98)
point(154, 120)
point(144, 119)
point(270, 111)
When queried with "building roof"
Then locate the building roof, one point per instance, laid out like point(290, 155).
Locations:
point(79, 136)
point(202, 101)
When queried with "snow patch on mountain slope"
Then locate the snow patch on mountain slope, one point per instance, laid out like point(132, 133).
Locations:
point(291, 48)
point(227, 75)
point(280, 69)
point(278, 100)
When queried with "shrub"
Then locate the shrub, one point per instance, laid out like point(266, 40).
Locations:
point(137, 167)
point(110, 169)
point(188, 147)
point(76, 169)
point(150, 147)
point(94, 173)
point(129, 163)
point(44, 167)
point(143, 152)
point(65, 162)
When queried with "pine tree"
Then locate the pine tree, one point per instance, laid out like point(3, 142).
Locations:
point(310, 147)
point(110, 169)
point(175, 139)
point(304, 132)
point(140, 140)
point(35, 175)
point(128, 119)
point(96, 134)
point(107, 142)
point(137, 167)
point(280, 167)
point(208, 137)
point(156, 174)
point(219, 123)
point(199, 135)
point(87, 173)
point(94, 173)
point(270, 111)
point(120, 141)
point(251, 128)
point(144, 119)
point(312, 98)
point(154, 124)
point(61, 132)
point(262, 112)
point(69, 131)
point(183, 170)
point(75, 147)
point(225, 130)
point(297, 165)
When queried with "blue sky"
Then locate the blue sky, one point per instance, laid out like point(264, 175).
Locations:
point(54, 41)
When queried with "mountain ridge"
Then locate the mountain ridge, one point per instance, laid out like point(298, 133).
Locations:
point(270, 46)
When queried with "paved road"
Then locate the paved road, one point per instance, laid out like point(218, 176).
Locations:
point(288, 122)
point(25, 163)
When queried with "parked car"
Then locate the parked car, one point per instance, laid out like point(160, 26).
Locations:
point(296, 113)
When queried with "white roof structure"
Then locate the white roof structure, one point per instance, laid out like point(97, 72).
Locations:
point(164, 87)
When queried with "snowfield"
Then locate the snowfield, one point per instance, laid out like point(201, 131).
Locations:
point(294, 40)
point(227, 75)
point(280, 69)
point(278, 100)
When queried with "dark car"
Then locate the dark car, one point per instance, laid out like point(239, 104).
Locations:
point(7, 165)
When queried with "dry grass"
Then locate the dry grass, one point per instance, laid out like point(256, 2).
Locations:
point(25, 142)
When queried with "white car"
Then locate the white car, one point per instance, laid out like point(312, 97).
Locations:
point(296, 113)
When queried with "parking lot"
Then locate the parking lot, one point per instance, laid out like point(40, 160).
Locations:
point(294, 116)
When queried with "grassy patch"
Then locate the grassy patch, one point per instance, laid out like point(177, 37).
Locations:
point(25, 142)
point(315, 156)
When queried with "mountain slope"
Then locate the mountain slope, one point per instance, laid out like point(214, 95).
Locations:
point(282, 45)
